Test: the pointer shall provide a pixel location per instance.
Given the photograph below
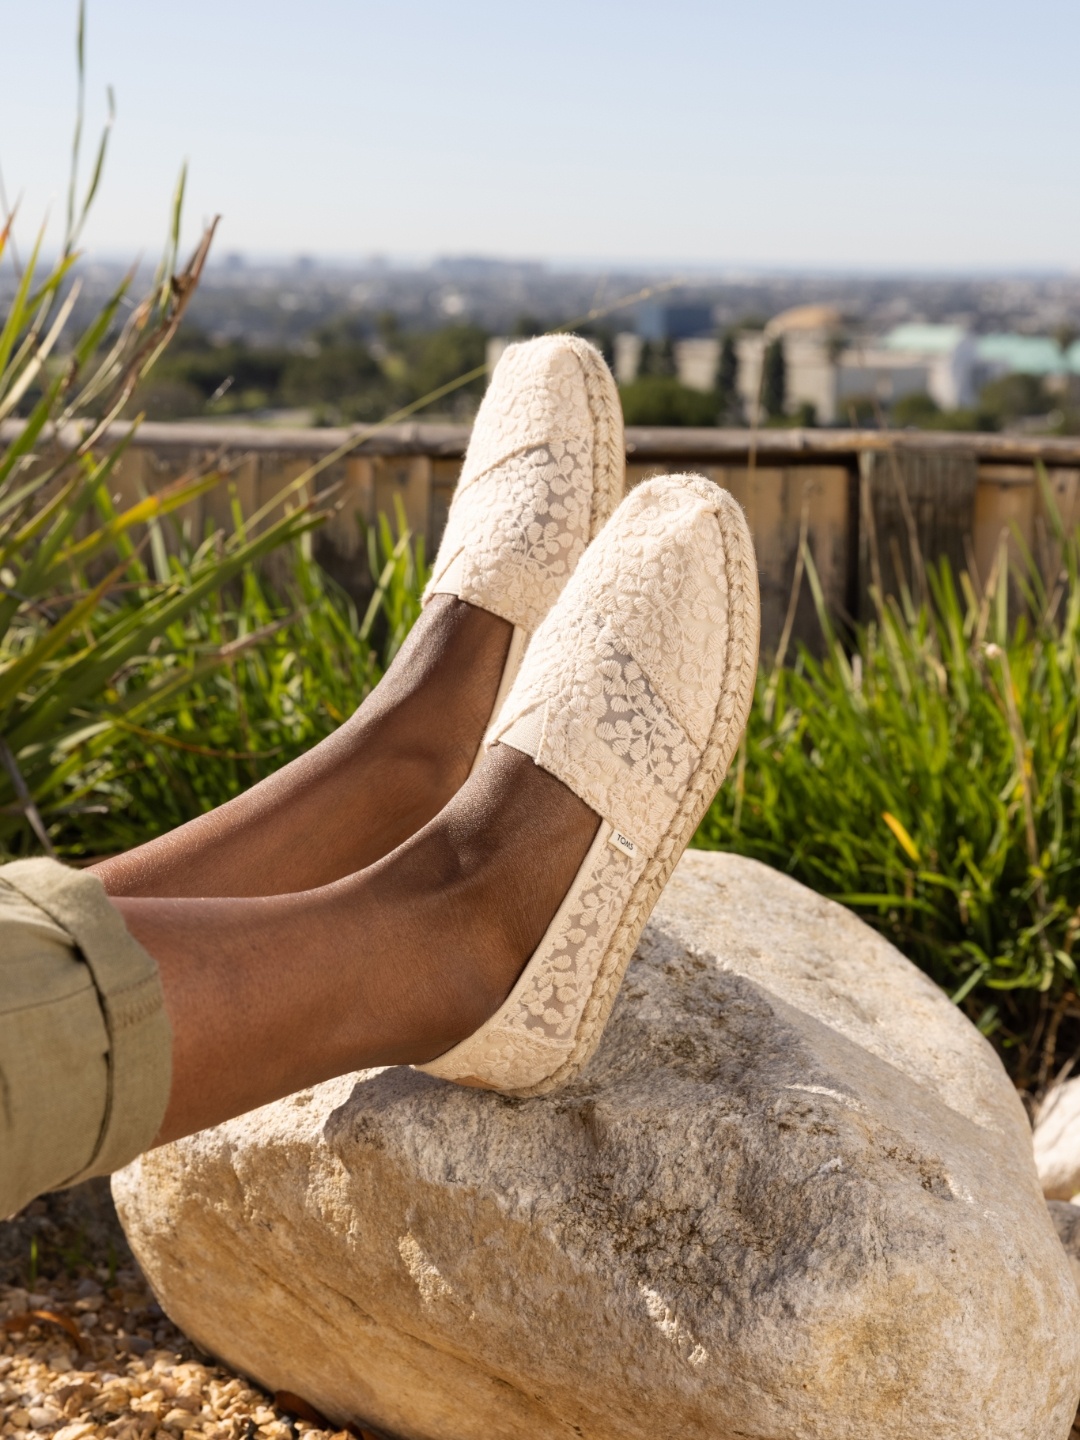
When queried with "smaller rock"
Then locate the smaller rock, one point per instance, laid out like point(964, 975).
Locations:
point(1057, 1142)
point(1066, 1220)
point(79, 1431)
point(180, 1420)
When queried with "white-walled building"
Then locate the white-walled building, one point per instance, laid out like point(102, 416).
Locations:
point(827, 370)
point(812, 336)
point(628, 347)
point(947, 353)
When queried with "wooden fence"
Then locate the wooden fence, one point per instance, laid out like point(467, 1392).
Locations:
point(862, 498)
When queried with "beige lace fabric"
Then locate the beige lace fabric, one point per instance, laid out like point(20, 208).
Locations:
point(543, 471)
point(627, 674)
point(634, 692)
point(535, 1031)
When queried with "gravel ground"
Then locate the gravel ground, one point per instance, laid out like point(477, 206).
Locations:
point(86, 1351)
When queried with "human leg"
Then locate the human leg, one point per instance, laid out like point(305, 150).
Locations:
point(393, 965)
point(544, 469)
point(606, 753)
point(105, 1050)
point(355, 796)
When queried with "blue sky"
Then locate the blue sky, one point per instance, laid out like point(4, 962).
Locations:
point(819, 133)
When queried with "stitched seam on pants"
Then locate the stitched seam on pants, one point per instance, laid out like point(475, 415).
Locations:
point(136, 1012)
point(57, 1000)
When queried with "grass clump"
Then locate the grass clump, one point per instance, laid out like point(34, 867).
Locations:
point(244, 683)
point(82, 613)
point(926, 776)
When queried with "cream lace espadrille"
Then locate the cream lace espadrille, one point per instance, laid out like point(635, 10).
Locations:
point(545, 468)
point(635, 692)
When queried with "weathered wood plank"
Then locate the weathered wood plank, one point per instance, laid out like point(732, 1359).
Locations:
point(959, 494)
point(1006, 503)
point(643, 443)
point(914, 508)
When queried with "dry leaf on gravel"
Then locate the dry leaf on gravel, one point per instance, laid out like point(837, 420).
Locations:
point(22, 1322)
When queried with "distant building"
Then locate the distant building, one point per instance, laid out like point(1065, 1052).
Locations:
point(628, 347)
point(493, 352)
point(829, 371)
point(1004, 354)
point(696, 361)
point(668, 320)
point(873, 372)
point(812, 337)
point(948, 354)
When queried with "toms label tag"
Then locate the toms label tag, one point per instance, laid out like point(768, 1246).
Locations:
point(622, 842)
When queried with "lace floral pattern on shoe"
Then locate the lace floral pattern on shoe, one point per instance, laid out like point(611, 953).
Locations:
point(608, 735)
point(516, 543)
point(555, 989)
point(543, 470)
point(537, 393)
point(662, 587)
point(628, 701)
point(536, 1027)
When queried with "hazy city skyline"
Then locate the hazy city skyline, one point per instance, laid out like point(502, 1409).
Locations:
point(710, 135)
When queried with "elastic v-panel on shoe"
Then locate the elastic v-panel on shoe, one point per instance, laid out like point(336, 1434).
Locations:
point(520, 531)
point(525, 733)
point(450, 581)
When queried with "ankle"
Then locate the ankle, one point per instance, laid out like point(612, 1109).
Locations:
point(427, 717)
point(482, 867)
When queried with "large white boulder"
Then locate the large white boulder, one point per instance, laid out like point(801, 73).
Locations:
point(792, 1198)
point(1057, 1142)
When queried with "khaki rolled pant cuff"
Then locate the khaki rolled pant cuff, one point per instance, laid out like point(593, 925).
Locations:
point(92, 995)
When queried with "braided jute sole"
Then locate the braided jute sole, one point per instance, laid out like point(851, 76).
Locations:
point(609, 484)
point(740, 674)
point(609, 445)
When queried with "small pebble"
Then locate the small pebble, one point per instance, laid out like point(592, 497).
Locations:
point(180, 1420)
point(133, 1377)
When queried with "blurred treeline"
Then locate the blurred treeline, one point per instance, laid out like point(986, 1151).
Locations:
point(1011, 402)
point(357, 369)
point(347, 370)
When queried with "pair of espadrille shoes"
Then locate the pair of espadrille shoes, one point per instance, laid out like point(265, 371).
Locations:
point(629, 676)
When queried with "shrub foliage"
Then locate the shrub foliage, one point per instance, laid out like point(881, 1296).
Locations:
point(926, 775)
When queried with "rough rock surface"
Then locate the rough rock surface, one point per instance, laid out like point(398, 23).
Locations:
point(1057, 1142)
point(792, 1197)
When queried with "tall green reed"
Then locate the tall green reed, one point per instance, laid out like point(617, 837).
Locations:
point(925, 774)
point(78, 606)
point(276, 667)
